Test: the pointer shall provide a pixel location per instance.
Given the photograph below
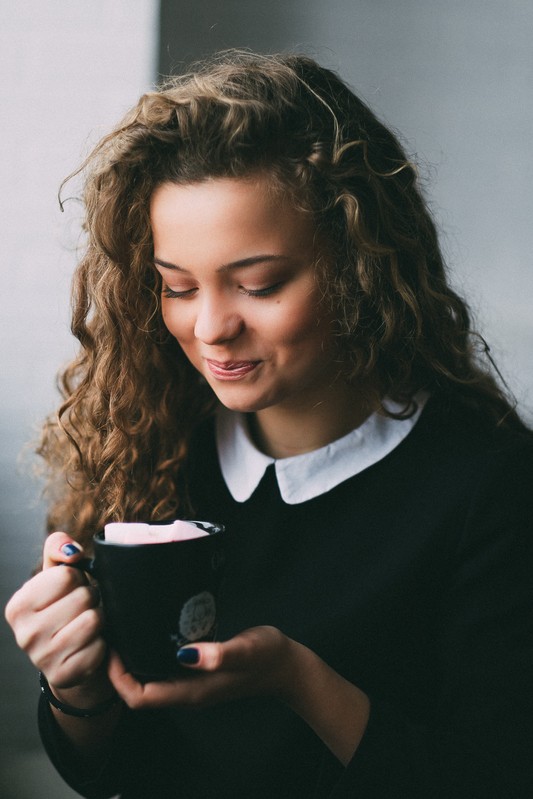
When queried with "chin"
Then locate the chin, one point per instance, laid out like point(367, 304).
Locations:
point(241, 407)
point(244, 404)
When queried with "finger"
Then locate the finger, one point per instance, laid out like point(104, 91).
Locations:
point(143, 695)
point(80, 630)
point(76, 667)
point(205, 656)
point(69, 596)
point(60, 548)
point(124, 683)
point(254, 646)
point(71, 605)
point(128, 688)
point(35, 628)
point(41, 592)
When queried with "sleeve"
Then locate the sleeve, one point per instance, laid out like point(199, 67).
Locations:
point(141, 761)
point(478, 742)
point(106, 781)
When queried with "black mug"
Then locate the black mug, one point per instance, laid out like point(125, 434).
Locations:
point(157, 597)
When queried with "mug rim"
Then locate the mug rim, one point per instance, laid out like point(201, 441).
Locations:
point(212, 528)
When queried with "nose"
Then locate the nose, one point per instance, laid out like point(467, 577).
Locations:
point(217, 321)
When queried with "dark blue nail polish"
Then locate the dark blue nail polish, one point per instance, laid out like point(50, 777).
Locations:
point(190, 655)
point(70, 549)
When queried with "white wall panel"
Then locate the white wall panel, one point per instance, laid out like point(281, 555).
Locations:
point(68, 70)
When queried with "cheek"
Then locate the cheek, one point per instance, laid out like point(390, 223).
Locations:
point(174, 319)
point(302, 326)
point(166, 313)
point(177, 323)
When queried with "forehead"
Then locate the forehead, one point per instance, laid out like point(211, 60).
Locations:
point(226, 214)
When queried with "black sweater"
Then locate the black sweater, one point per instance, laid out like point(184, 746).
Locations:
point(414, 580)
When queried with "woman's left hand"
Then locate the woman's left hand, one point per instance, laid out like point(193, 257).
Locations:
point(261, 661)
point(258, 661)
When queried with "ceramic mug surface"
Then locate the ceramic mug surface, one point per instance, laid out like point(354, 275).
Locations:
point(157, 597)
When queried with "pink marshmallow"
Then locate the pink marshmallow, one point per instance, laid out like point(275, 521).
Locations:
point(141, 533)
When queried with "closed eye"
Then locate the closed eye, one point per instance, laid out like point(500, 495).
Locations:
point(172, 295)
point(181, 295)
point(261, 292)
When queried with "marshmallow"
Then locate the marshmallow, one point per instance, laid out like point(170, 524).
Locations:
point(141, 533)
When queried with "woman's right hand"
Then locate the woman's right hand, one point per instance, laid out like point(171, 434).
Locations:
point(57, 621)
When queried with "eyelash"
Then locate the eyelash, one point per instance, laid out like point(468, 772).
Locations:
point(181, 295)
point(261, 292)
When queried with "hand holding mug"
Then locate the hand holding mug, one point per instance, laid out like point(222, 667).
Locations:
point(258, 661)
point(56, 618)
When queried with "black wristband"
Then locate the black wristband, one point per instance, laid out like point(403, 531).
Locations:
point(68, 710)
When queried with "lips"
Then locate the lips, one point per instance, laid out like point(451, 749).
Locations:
point(231, 370)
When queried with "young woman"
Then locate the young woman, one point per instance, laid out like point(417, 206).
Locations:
point(268, 340)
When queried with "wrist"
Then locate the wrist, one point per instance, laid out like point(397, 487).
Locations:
point(292, 673)
point(93, 691)
point(300, 670)
point(334, 708)
point(84, 708)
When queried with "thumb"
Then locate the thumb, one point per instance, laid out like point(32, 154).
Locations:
point(60, 548)
point(205, 656)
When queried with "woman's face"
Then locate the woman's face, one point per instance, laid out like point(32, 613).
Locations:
point(239, 292)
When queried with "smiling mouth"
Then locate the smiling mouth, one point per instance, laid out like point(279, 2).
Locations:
point(231, 370)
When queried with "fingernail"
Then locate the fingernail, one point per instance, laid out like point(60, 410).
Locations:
point(70, 549)
point(189, 655)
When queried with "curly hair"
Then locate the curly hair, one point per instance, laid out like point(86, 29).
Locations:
point(131, 399)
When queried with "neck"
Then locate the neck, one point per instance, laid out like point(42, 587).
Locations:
point(284, 432)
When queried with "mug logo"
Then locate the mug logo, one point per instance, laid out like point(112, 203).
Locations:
point(197, 617)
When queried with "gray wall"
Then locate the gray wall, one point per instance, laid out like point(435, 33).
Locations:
point(68, 71)
point(454, 78)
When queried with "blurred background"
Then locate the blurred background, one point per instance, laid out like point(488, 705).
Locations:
point(454, 79)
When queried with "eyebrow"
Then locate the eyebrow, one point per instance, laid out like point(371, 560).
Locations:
point(243, 262)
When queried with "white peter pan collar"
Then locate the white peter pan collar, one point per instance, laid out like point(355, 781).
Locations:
point(304, 477)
